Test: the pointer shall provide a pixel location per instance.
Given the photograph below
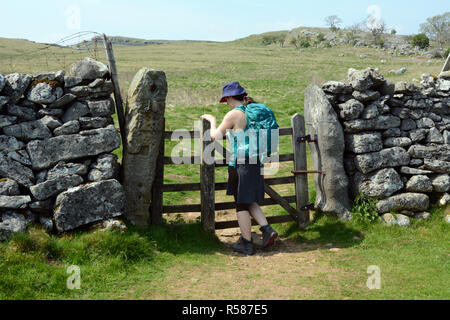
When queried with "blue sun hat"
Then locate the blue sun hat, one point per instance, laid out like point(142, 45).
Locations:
point(232, 89)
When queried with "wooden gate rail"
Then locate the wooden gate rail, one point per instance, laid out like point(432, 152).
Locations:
point(208, 186)
point(184, 208)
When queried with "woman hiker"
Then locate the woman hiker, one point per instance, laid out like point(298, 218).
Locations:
point(245, 178)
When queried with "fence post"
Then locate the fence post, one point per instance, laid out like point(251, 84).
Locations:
point(301, 181)
point(207, 179)
point(115, 83)
point(157, 188)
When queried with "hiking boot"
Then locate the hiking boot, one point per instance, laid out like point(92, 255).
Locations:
point(269, 235)
point(244, 246)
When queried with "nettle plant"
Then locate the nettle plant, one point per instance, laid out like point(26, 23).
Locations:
point(364, 209)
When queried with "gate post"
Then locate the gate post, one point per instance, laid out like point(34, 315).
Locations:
point(156, 205)
point(207, 178)
point(301, 181)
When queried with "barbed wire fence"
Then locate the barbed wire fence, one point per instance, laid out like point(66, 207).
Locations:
point(29, 57)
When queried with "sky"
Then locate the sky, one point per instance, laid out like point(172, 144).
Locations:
point(215, 20)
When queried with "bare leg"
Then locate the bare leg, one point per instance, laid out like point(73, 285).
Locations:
point(257, 214)
point(245, 223)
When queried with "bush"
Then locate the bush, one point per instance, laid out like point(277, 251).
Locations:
point(305, 44)
point(379, 42)
point(269, 39)
point(420, 40)
point(320, 37)
point(364, 209)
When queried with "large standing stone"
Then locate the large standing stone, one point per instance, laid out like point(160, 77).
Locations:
point(45, 154)
point(53, 187)
point(88, 69)
point(380, 185)
point(406, 201)
point(323, 124)
point(88, 203)
point(144, 130)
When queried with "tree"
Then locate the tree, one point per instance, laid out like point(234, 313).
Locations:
point(393, 32)
point(352, 32)
point(437, 28)
point(420, 40)
point(333, 22)
point(376, 26)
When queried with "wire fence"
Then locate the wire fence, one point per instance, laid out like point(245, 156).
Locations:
point(29, 57)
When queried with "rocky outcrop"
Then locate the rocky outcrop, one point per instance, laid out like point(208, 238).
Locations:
point(144, 131)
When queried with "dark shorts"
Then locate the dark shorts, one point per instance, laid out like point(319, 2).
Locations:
point(246, 184)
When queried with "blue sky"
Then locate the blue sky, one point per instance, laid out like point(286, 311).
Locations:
point(49, 21)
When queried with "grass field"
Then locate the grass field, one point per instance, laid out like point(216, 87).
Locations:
point(328, 259)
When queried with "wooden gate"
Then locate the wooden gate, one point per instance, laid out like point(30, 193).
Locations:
point(208, 186)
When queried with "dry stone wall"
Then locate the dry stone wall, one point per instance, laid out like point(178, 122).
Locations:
point(56, 139)
point(397, 139)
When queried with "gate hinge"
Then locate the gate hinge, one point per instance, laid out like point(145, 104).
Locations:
point(306, 139)
point(308, 207)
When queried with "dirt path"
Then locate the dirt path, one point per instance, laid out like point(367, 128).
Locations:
point(288, 270)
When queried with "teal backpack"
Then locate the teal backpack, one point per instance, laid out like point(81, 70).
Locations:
point(260, 116)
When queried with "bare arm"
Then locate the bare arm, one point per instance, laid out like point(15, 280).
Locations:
point(228, 122)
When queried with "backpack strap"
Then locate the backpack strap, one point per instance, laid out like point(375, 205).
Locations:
point(241, 108)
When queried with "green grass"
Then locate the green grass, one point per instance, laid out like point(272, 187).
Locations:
point(413, 261)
